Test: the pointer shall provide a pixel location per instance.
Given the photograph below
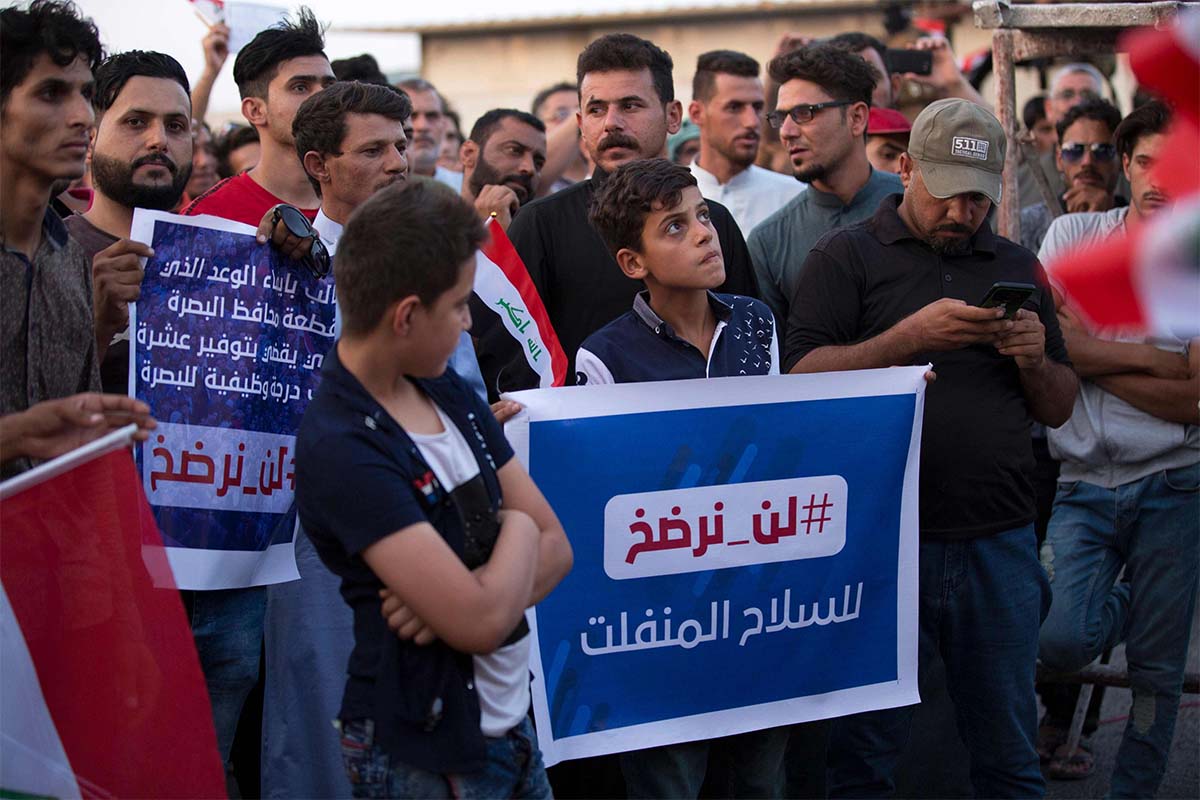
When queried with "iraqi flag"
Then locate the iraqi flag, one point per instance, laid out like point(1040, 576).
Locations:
point(504, 286)
point(102, 693)
point(1150, 281)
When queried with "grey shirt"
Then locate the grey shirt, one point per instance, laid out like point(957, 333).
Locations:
point(47, 329)
point(780, 244)
point(1107, 441)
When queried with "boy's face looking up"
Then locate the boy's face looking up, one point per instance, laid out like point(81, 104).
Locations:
point(679, 247)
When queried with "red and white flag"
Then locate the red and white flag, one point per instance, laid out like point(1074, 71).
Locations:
point(1150, 281)
point(102, 693)
point(504, 285)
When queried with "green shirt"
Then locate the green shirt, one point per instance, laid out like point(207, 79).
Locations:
point(779, 245)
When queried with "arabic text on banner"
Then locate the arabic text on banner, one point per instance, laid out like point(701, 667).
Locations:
point(745, 555)
point(227, 343)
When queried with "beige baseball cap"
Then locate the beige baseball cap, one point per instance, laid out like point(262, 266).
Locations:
point(960, 148)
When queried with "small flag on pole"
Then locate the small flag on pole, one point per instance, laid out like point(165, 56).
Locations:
point(504, 286)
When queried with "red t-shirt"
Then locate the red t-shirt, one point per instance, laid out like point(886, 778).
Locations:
point(240, 199)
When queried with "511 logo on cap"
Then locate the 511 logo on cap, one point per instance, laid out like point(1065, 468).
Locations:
point(968, 147)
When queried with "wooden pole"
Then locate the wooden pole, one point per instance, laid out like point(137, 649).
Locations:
point(1006, 106)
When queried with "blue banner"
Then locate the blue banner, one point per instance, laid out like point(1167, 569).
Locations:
point(744, 555)
point(227, 342)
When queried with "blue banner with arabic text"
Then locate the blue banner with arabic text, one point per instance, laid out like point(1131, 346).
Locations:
point(738, 566)
point(227, 344)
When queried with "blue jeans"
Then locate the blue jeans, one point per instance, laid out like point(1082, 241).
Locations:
point(514, 769)
point(1152, 528)
point(227, 625)
point(678, 770)
point(981, 603)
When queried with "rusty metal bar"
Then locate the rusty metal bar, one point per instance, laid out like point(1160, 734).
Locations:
point(1004, 67)
point(1106, 675)
point(1004, 14)
point(1063, 42)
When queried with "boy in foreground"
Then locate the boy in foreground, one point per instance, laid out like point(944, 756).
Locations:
point(409, 491)
point(653, 219)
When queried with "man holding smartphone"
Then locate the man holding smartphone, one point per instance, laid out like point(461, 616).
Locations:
point(905, 287)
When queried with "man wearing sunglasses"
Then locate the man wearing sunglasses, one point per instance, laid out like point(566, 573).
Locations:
point(1086, 157)
point(821, 115)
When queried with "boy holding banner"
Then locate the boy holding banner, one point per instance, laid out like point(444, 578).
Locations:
point(658, 227)
point(402, 472)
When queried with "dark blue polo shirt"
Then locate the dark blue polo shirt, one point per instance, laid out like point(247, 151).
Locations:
point(639, 346)
point(359, 479)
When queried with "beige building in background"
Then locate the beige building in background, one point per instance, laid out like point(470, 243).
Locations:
point(504, 63)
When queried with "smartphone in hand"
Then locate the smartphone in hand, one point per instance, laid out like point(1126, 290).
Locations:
point(1008, 295)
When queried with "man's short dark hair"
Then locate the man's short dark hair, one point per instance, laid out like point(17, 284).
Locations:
point(486, 125)
point(407, 239)
point(47, 26)
point(856, 41)
point(258, 62)
point(236, 137)
point(358, 68)
point(1147, 120)
point(624, 51)
point(1034, 111)
point(1097, 109)
point(840, 74)
point(320, 122)
point(116, 70)
point(632, 193)
point(720, 62)
point(541, 97)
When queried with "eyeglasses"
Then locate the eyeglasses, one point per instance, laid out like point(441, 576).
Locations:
point(317, 261)
point(802, 113)
point(1073, 152)
point(1071, 94)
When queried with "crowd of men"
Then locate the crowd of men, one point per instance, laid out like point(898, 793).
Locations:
point(1060, 464)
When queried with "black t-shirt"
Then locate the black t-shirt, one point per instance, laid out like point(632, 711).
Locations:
point(579, 281)
point(359, 479)
point(976, 454)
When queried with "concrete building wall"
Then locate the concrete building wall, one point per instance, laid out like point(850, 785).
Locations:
point(479, 71)
point(490, 68)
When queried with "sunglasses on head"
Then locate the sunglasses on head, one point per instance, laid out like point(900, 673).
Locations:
point(317, 261)
point(1072, 152)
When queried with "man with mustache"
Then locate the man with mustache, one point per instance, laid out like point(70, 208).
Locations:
point(1087, 159)
point(727, 105)
point(429, 122)
point(141, 158)
point(899, 289)
point(502, 162)
point(627, 109)
point(1127, 492)
point(821, 115)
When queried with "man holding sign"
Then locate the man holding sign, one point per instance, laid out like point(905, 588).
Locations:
point(898, 290)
